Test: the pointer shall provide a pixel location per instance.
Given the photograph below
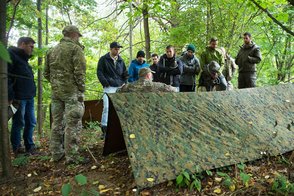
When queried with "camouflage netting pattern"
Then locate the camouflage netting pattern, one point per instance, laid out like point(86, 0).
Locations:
point(166, 133)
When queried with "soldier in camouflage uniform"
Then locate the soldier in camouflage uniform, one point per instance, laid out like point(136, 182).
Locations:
point(212, 53)
point(145, 84)
point(65, 69)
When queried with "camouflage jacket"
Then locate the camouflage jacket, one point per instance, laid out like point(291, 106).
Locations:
point(247, 58)
point(144, 85)
point(65, 68)
point(229, 68)
point(212, 55)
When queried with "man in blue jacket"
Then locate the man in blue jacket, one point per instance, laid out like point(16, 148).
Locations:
point(112, 74)
point(136, 65)
point(21, 87)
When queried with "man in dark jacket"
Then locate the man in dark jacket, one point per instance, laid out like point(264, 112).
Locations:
point(21, 87)
point(153, 67)
point(191, 67)
point(170, 68)
point(112, 74)
point(248, 56)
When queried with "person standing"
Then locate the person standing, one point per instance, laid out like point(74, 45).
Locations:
point(22, 88)
point(170, 68)
point(65, 69)
point(136, 65)
point(112, 74)
point(248, 56)
point(229, 68)
point(191, 67)
point(212, 53)
point(153, 67)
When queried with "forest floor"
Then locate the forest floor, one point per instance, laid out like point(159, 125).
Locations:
point(112, 175)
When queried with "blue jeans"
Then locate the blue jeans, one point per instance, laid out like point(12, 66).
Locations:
point(24, 119)
point(104, 118)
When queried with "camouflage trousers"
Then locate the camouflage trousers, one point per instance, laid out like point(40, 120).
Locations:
point(66, 127)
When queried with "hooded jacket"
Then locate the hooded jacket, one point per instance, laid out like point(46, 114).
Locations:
point(134, 69)
point(21, 84)
point(248, 56)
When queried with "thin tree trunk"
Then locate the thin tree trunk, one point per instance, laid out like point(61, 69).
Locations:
point(4, 138)
point(47, 29)
point(39, 112)
point(131, 32)
point(146, 29)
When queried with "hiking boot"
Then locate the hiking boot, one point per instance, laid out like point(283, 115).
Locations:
point(32, 152)
point(19, 150)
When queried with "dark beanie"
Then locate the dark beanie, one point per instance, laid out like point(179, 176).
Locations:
point(141, 54)
point(191, 47)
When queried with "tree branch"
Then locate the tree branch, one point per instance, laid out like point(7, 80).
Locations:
point(273, 18)
point(12, 19)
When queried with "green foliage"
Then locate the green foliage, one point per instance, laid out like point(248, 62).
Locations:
point(190, 181)
point(65, 190)
point(4, 53)
point(228, 181)
point(81, 179)
point(20, 160)
point(282, 186)
point(93, 125)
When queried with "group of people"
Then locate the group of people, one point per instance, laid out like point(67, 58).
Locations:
point(65, 69)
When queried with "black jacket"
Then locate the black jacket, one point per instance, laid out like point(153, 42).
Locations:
point(153, 67)
point(110, 74)
point(169, 70)
point(21, 84)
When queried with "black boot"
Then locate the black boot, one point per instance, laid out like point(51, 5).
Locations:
point(103, 129)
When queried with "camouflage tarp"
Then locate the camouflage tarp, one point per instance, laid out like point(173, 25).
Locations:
point(167, 132)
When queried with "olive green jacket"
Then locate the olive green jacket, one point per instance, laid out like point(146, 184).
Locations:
point(248, 56)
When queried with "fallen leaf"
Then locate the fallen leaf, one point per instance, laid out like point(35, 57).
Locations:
point(232, 187)
point(29, 175)
point(94, 167)
point(95, 182)
point(37, 189)
point(150, 179)
point(101, 186)
point(104, 190)
point(218, 179)
point(35, 173)
point(217, 190)
point(170, 183)
point(288, 101)
point(227, 154)
point(132, 136)
point(267, 177)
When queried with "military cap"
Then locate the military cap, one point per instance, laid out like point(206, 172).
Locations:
point(71, 28)
point(144, 71)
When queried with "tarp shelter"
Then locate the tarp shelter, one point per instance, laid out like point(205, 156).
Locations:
point(165, 133)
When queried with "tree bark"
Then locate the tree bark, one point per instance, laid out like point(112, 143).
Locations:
point(131, 32)
point(146, 29)
point(273, 18)
point(40, 59)
point(4, 138)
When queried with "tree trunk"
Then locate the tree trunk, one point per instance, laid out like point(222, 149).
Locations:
point(39, 112)
point(146, 29)
point(131, 32)
point(4, 138)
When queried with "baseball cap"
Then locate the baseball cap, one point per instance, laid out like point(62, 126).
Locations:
point(115, 45)
point(144, 71)
point(71, 28)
